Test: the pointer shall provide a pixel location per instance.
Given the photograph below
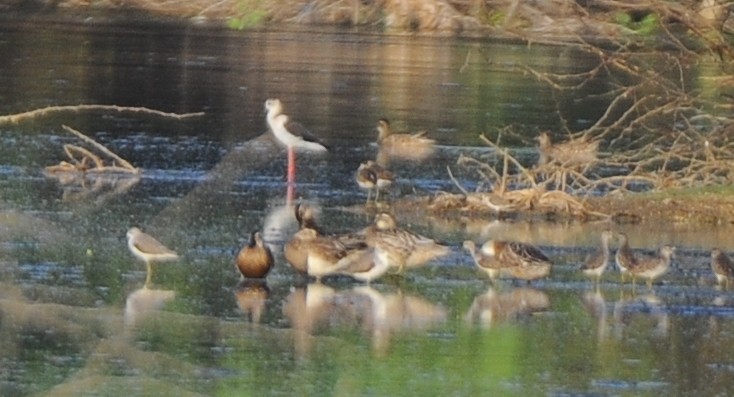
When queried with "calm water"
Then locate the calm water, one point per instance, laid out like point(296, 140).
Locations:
point(74, 318)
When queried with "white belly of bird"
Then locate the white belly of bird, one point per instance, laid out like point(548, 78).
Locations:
point(383, 183)
point(596, 271)
point(378, 270)
point(319, 267)
point(294, 141)
point(655, 272)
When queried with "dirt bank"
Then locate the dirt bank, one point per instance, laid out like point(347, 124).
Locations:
point(690, 207)
point(538, 19)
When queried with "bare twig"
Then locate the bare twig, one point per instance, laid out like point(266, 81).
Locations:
point(461, 188)
point(101, 148)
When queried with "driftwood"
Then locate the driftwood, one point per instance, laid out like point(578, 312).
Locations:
point(91, 169)
point(82, 160)
point(16, 118)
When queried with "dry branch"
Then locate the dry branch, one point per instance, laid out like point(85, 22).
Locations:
point(653, 134)
point(16, 118)
point(88, 162)
point(100, 147)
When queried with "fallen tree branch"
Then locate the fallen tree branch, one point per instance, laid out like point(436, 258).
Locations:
point(16, 118)
point(89, 162)
point(100, 147)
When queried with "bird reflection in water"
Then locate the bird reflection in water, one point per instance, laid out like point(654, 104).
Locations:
point(142, 303)
point(252, 296)
point(596, 306)
point(99, 188)
point(278, 224)
point(641, 310)
point(306, 309)
point(391, 313)
point(320, 309)
point(494, 307)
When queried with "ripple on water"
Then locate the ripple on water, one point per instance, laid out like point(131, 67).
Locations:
point(53, 272)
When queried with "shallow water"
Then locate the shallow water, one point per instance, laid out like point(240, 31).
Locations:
point(74, 315)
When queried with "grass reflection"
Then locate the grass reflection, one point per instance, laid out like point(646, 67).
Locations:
point(469, 362)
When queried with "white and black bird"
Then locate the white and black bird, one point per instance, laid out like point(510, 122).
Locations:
point(291, 134)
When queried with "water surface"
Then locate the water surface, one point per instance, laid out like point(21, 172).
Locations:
point(75, 316)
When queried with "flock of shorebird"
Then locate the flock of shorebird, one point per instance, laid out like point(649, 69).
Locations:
point(368, 254)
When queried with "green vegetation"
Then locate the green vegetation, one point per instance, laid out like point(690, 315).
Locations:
point(250, 13)
point(647, 25)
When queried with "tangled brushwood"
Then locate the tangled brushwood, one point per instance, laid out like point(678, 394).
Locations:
point(663, 124)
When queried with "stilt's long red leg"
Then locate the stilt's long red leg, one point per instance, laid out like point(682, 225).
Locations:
point(291, 166)
point(291, 175)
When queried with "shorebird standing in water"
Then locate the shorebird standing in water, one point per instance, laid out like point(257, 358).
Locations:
point(624, 257)
point(148, 249)
point(652, 267)
point(518, 260)
point(372, 176)
point(255, 259)
point(483, 258)
point(409, 146)
point(722, 267)
point(399, 247)
point(293, 135)
point(296, 250)
point(326, 255)
point(596, 263)
point(386, 136)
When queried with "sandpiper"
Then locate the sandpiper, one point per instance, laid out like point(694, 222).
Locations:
point(722, 267)
point(519, 260)
point(596, 263)
point(306, 217)
point(576, 152)
point(483, 258)
point(290, 133)
point(386, 136)
point(364, 266)
point(652, 267)
point(410, 146)
point(360, 264)
point(255, 259)
point(326, 255)
point(296, 249)
point(148, 249)
point(296, 252)
point(399, 247)
point(372, 176)
point(624, 257)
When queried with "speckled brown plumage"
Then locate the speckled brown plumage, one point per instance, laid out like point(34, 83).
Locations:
point(722, 266)
point(255, 259)
point(595, 264)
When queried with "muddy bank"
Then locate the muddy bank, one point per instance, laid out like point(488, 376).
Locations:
point(695, 209)
point(541, 20)
point(677, 207)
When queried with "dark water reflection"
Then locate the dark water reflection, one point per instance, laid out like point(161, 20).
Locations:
point(74, 314)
